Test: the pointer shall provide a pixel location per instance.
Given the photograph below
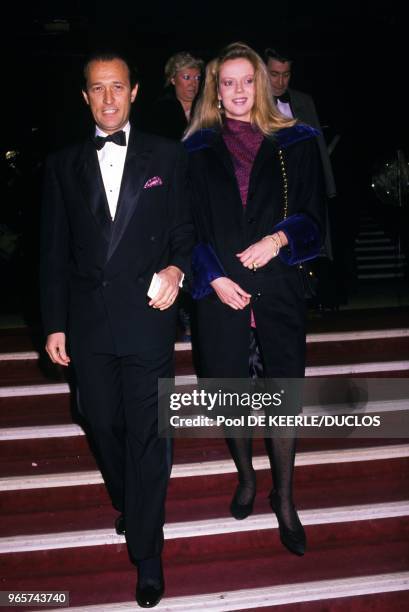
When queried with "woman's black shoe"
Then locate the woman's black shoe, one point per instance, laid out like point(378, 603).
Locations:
point(293, 539)
point(241, 511)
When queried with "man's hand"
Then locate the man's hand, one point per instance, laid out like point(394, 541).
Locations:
point(169, 288)
point(55, 348)
point(230, 293)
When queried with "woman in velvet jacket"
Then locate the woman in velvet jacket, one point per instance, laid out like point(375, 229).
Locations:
point(257, 198)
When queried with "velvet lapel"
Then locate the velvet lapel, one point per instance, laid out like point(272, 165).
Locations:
point(136, 165)
point(92, 186)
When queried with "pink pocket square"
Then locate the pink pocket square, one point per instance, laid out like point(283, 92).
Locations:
point(155, 181)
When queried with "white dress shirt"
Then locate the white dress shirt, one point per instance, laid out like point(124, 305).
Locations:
point(111, 161)
point(284, 108)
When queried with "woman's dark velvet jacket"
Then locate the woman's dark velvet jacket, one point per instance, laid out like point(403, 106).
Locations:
point(225, 228)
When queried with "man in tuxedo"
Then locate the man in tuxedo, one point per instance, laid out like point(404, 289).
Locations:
point(294, 103)
point(115, 213)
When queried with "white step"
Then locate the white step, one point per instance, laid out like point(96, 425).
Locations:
point(387, 266)
point(378, 249)
point(207, 468)
point(283, 594)
point(386, 275)
point(191, 379)
point(380, 241)
point(206, 527)
point(372, 233)
point(380, 257)
point(344, 336)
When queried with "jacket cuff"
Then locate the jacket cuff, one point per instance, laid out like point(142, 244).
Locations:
point(206, 267)
point(304, 239)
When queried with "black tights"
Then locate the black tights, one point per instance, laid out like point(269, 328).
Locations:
point(281, 453)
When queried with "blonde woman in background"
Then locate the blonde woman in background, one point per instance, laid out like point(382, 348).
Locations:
point(170, 114)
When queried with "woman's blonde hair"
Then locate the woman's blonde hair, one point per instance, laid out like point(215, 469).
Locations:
point(181, 61)
point(264, 113)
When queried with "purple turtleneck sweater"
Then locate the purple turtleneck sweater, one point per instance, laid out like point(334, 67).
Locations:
point(243, 141)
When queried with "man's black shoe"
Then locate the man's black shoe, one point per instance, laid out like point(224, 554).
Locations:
point(120, 524)
point(151, 585)
point(149, 596)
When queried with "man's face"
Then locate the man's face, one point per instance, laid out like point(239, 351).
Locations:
point(109, 94)
point(280, 73)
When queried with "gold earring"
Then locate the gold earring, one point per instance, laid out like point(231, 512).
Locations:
point(219, 104)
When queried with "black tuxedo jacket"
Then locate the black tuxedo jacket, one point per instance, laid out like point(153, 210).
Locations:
point(303, 108)
point(96, 272)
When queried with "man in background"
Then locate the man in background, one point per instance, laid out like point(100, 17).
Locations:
point(294, 103)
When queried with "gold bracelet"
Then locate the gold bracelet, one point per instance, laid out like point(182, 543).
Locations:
point(277, 243)
point(278, 237)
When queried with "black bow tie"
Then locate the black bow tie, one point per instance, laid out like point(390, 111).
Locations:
point(284, 98)
point(118, 138)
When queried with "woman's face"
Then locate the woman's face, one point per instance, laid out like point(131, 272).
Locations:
point(186, 84)
point(236, 88)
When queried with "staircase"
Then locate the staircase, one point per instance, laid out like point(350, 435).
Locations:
point(353, 495)
point(377, 256)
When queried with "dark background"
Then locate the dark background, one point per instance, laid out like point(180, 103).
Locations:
point(350, 56)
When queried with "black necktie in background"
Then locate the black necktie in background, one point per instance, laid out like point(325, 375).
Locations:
point(118, 138)
point(284, 98)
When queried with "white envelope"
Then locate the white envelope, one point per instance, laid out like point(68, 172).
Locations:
point(154, 286)
point(156, 283)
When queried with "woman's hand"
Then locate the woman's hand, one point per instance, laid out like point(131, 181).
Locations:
point(230, 293)
point(260, 253)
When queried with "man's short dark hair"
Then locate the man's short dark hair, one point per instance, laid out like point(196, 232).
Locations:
point(279, 56)
point(109, 56)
